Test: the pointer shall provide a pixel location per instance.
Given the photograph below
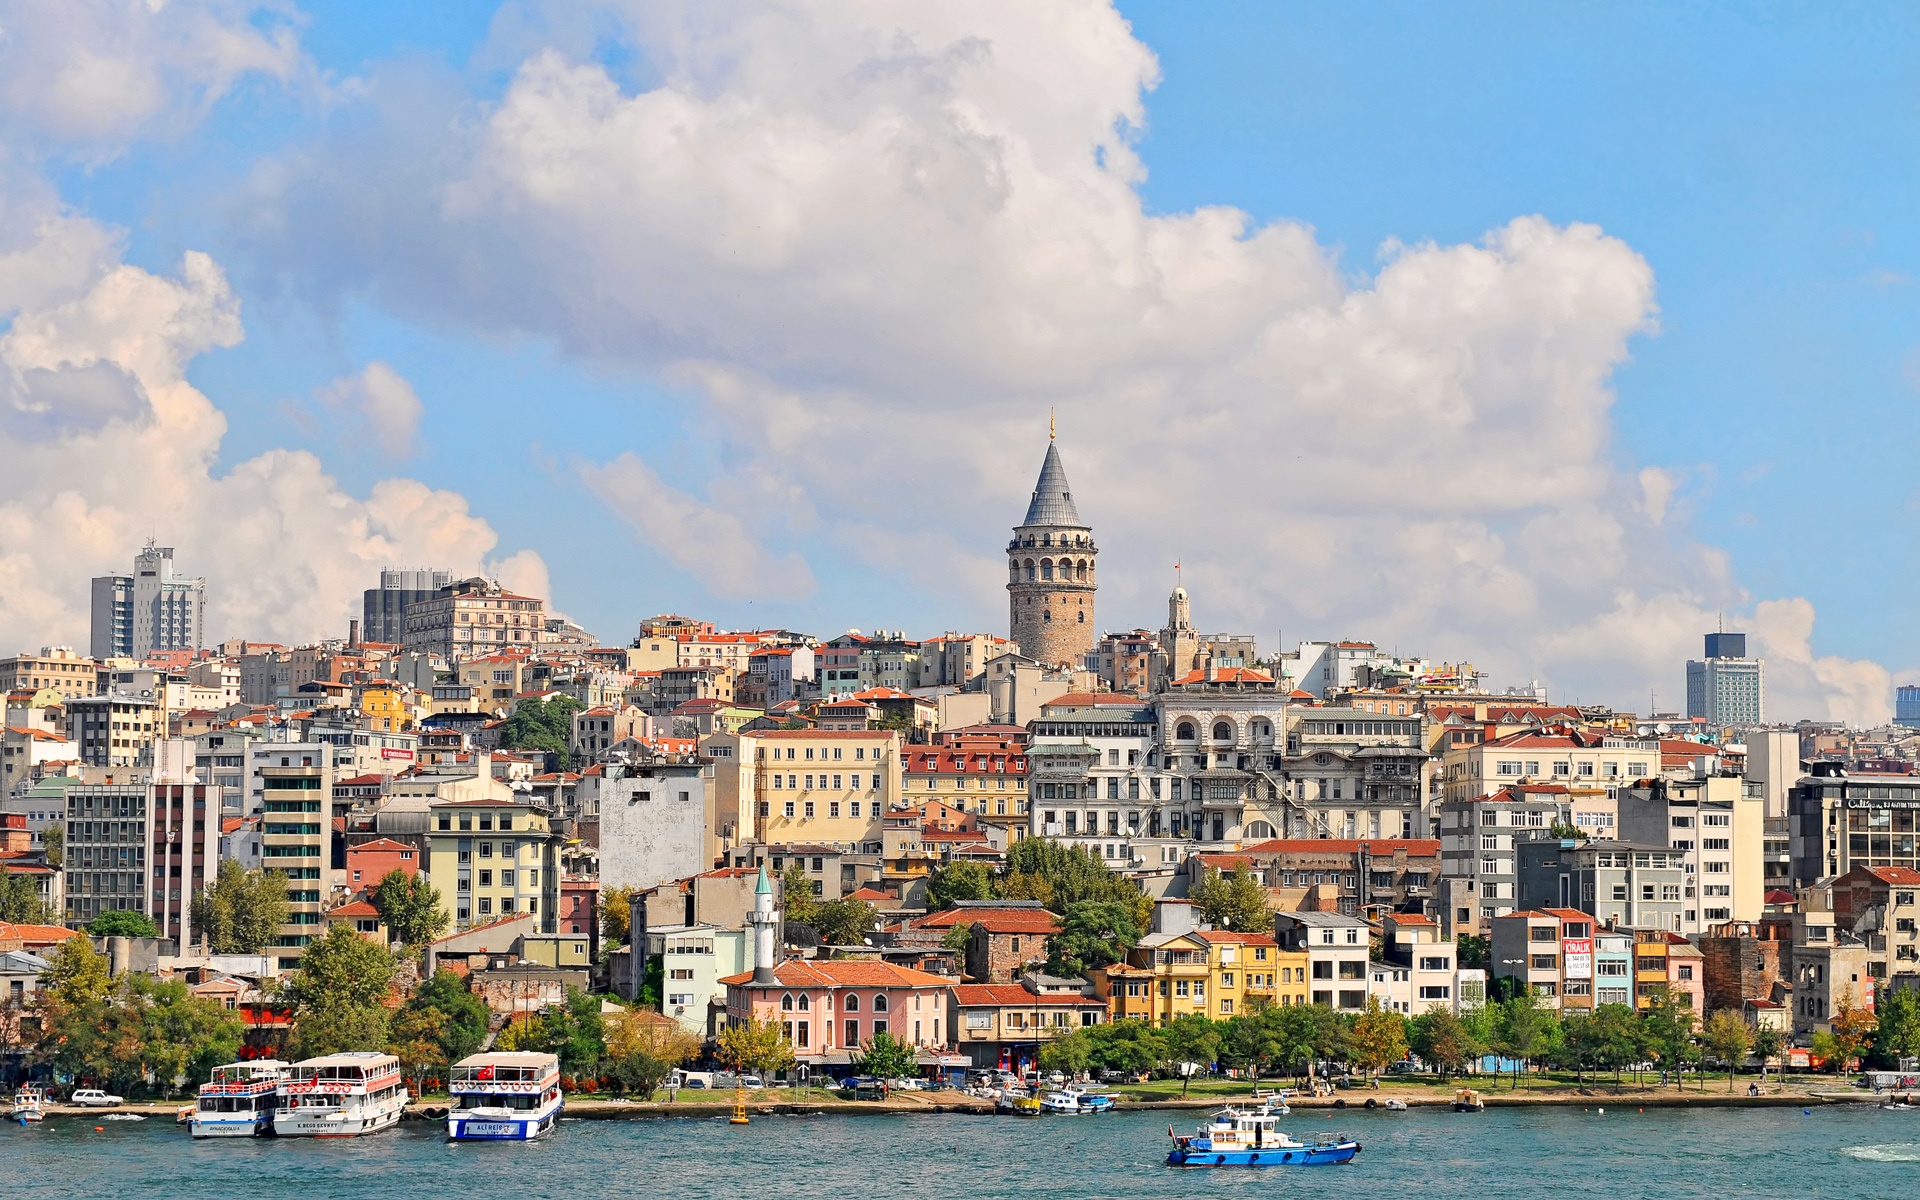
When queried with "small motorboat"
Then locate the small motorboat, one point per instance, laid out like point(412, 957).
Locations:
point(29, 1104)
point(1468, 1101)
point(1252, 1138)
point(123, 1117)
point(1396, 1104)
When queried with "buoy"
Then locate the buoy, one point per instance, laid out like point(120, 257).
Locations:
point(99, 1128)
point(1603, 1112)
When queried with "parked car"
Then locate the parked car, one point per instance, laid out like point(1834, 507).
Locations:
point(95, 1098)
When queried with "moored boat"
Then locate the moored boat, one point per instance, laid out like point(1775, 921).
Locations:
point(238, 1100)
point(1468, 1100)
point(29, 1104)
point(340, 1095)
point(503, 1097)
point(1252, 1138)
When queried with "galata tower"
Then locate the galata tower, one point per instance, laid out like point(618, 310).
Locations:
point(1050, 573)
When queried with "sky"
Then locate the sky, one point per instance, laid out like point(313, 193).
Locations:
point(1546, 337)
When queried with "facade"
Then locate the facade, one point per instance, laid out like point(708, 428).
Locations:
point(1090, 780)
point(107, 832)
point(1478, 839)
point(1002, 1026)
point(1550, 951)
point(1726, 687)
point(819, 786)
point(1337, 950)
point(384, 609)
point(1401, 874)
point(112, 626)
point(1716, 826)
point(1051, 574)
point(471, 619)
point(828, 1009)
point(1878, 904)
point(1582, 763)
point(1622, 884)
point(982, 771)
point(654, 821)
point(1422, 965)
point(151, 609)
point(116, 730)
point(56, 667)
point(693, 961)
point(494, 859)
point(296, 840)
point(1838, 820)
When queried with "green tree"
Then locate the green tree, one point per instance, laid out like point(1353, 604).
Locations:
point(844, 922)
point(1767, 1044)
point(958, 881)
point(440, 1024)
point(1062, 876)
point(1669, 1034)
point(545, 725)
point(1523, 1029)
point(1071, 1054)
point(885, 1056)
point(643, 1048)
point(53, 841)
point(76, 975)
point(1443, 1041)
point(757, 1046)
point(1094, 933)
point(182, 1036)
point(797, 900)
point(1853, 1029)
point(1379, 1038)
point(577, 1033)
point(122, 923)
point(340, 994)
point(243, 911)
point(616, 916)
point(1473, 951)
point(959, 937)
point(1131, 1046)
point(415, 1036)
point(1190, 1038)
point(20, 900)
point(1899, 1032)
point(410, 907)
point(1727, 1038)
point(1619, 1038)
point(1234, 901)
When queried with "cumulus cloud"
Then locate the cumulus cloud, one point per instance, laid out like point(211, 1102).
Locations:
point(879, 242)
point(377, 406)
point(107, 443)
point(89, 75)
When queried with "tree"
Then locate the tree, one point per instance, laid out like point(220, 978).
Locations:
point(1853, 1028)
point(796, 894)
point(545, 725)
point(53, 842)
point(76, 975)
point(616, 915)
point(1767, 1044)
point(844, 922)
point(440, 1024)
point(1070, 1054)
point(1379, 1038)
point(1619, 1038)
point(415, 1037)
point(1094, 934)
point(1727, 1038)
point(20, 900)
point(1062, 876)
point(410, 908)
point(1669, 1027)
point(1474, 951)
point(243, 911)
point(956, 882)
point(183, 1037)
point(885, 1056)
point(1899, 1034)
point(1565, 830)
point(574, 1030)
point(1443, 1041)
point(959, 937)
point(757, 1046)
point(122, 923)
point(643, 1048)
point(339, 994)
point(1236, 901)
point(1521, 1029)
point(1132, 1046)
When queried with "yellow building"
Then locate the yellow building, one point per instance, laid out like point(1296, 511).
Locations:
point(819, 786)
point(492, 859)
point(1213, 973)
point(383, 708)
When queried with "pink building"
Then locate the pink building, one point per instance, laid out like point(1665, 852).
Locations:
point(828, 1009)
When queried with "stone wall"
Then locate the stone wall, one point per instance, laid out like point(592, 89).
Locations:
point(1068, 637)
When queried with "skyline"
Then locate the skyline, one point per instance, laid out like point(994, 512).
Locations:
point(641, 314)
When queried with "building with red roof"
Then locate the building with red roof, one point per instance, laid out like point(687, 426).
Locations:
point(828, 1009)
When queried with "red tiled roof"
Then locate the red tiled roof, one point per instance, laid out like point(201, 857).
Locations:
point(379, 845)
point(32, 935)
point(354, 908)
point(1378, 847)
point(1240, 939)
point(1410, 919)
point(1904, 876)
point(1226, 675)
point(847, 972)
point(785, 734)
point(1013, 995)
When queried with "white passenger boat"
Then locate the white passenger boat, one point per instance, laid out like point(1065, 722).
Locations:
point(29, 1104)
point(238, 1100)
point(340, 1095)
point(503, 1097)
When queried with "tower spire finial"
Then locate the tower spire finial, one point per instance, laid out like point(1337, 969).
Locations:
point(1050, 425)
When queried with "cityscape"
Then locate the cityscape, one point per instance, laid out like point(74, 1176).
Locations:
point(1436, 724)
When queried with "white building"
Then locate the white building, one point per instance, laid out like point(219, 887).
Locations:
point(653, 821)
point(1727, 687)
point(693, 961)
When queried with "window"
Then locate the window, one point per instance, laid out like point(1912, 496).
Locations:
point(880, 1006)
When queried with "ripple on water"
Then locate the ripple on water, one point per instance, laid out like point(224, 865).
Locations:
point(1891, 1152)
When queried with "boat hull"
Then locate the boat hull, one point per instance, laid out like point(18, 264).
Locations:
point(332, 1123)
point(462, 1127)
point(1285, 1156)
point(239, 1127)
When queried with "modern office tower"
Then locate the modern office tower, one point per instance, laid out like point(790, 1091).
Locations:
point(1726, 687)
point(152, 609)
point(384, 609)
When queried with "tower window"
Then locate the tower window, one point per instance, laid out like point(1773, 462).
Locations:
point(1046, 616)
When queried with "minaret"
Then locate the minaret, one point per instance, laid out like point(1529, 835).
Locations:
point(1050, 573)
point(761, 920)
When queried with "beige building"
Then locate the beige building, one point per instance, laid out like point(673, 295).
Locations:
point(472, 619)
point(829, 787)
point(56, 667)
point(1583, 763)
point(296, 840)
point(494, 859)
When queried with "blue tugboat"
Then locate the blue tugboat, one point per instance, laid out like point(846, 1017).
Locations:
point(1252, 1138)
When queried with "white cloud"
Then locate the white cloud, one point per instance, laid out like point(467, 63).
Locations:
point(881, 241)
point(107, 443)
point(89, 75)
point(711, 544)
point(378, 405)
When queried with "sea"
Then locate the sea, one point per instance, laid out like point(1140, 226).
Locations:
point(1850, 1151)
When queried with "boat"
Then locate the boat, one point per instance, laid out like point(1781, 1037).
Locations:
point(1469, 1101)
point(1018, 1102)
point(238, 1100)
point(512, 1097)
point(340, 1095)
point(1396, 1104)
point(1077, 1100)
point(1238, 1137)
point(29, 1104)
point(123, 1117)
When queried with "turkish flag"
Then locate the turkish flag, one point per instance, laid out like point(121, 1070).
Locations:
point(484, 1073)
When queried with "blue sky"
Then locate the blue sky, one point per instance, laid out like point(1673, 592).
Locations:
point(1759, 161)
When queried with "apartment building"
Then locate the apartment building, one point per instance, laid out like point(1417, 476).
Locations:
point(1622, 884)
point(1337, 950)
point(819, 785)
point(296, 839)
point(1549, 951)
point(473, 618)
point(57, 668)
point(108, 833)
point(1716, 827)
point(1586, 764)
point(492, 859)
point(1478, 840)
point(116, 730)
point(983, 771)
point(1839, 819)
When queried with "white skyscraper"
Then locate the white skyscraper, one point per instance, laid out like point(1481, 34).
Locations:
point(152, 609)
point(1727, 687)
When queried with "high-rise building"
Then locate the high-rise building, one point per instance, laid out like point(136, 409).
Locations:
point(1906, 705)
point(1050, 574)
point(1726, 687)
point(384, 610)
point(152, 609)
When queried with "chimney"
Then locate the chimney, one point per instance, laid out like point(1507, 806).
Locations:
point(353, 634)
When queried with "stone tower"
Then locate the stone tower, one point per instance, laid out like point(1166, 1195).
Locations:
point(1179, 643)
point(1050, 573)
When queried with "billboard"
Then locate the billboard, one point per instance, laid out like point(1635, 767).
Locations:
point(1577, 954)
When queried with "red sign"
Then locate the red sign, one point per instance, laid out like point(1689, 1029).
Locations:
point(406, 755)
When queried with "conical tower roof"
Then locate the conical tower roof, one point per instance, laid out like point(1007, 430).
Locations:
point(1052, 498)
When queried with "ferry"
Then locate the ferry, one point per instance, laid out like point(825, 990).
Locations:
point(340, 1095)
point(238, 1100)
point(29, 1104)
point(504, 1097)
point(1252, 1138)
